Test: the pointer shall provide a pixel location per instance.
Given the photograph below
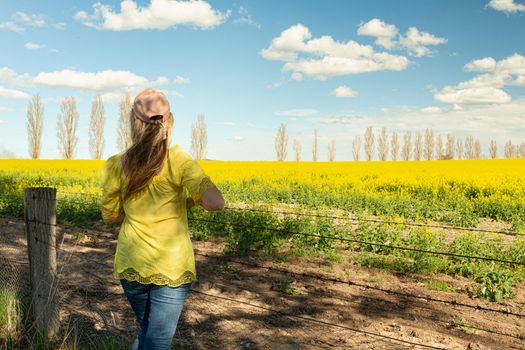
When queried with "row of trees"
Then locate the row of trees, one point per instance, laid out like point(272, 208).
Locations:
point(67, 124)
point(423, 146)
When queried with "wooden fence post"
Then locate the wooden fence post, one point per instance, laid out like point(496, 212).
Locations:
point(40, 219)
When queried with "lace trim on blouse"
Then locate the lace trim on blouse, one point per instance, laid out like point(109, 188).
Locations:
point(131, 274)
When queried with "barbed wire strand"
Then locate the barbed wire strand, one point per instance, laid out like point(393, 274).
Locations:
point(381, 221)
point(336, 217)
point(351, 240)
point(368, 333)
point(357, 284)
point(311, 276)
point(521, 337)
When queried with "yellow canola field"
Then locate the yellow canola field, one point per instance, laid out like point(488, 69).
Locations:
point(505, 177)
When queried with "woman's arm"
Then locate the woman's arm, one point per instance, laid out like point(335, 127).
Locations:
point(212, 199)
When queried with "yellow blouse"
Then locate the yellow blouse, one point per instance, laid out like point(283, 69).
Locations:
point(154, 243)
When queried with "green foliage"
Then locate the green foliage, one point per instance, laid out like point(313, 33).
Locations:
point(438, 285)
point(425, 240)
point(11, 314)
point(388, 234)
point(285, 286)
point(495, 285)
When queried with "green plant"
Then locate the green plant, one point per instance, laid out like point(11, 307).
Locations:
point(438, 285)
point(495, 285)
point(10, 314)
point(285, 285)
point(462, 324)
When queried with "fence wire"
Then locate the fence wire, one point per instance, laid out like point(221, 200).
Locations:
point(93, 308)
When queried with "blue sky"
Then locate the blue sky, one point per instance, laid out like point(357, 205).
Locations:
point(249, 66)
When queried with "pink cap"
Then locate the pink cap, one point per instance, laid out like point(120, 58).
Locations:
point(151, 103)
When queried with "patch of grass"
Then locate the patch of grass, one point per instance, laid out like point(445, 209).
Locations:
point(441, 286)
point(11, 315)
point(285, 285)
point(463, 325)
point(386, 262)
point(221, 267)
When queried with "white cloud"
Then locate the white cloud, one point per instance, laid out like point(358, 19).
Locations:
point(12, 27)
point(323, 57)
point(486, 88)
point(33, 46)
point(487, 64)
point(160, 14)
point(161, 81)
point(98, 81)
point(176, 94)
point(342, 120)
point(9, 93)
point(432, 109)
point(9, 76)
point(226, 123)
point(21, 20)
point(29, 20)
point(111, 96)
point(60, 25)
point(246, 18)
point(300, 112)
point(344, 91)
point(181, 80)
point(383, 32)
point(285, 46)
point(5, 109)
point(238, 138)
point(416, 42)
point(385, 110)
point(507, 6)
point(330, 66)
point(3, 121)
point(479, 95)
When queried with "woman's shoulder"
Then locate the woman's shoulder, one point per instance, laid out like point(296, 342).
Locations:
point(113, 162)
point(178, 155)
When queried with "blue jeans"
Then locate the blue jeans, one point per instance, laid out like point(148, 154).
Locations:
point(157, 309)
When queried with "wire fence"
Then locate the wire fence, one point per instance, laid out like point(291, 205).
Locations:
point(90, 313)
point(88, 303)
point(348, 217)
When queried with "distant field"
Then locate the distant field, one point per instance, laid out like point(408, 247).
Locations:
point(453, 192)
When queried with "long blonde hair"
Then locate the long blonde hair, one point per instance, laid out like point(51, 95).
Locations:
point(146, 156)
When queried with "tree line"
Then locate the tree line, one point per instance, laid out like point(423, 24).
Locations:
point(67, 124)
point(420, 145)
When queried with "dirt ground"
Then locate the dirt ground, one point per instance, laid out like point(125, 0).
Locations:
point(251, 303)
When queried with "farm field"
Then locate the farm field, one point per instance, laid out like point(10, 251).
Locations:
point(455, 192)
point(449, 229)
point(252, 303)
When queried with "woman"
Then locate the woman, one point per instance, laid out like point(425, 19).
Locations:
point(144, 189)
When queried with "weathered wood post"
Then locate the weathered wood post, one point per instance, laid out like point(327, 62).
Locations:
point(40, 219)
